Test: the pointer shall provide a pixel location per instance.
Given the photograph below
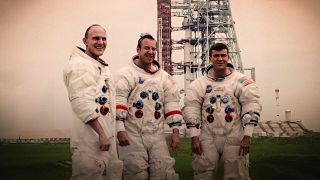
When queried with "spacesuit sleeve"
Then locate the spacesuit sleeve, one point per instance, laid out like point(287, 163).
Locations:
point(251, 107)
point(123, 89)
point(172, 109)
point(81, 83)
point(192, 107)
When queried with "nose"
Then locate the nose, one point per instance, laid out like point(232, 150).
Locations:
point(150, 51)
point(100, 41)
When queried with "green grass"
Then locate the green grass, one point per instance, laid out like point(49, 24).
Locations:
point(34, 161)
point(270, 159)
point(286, 158)
point(183, 158)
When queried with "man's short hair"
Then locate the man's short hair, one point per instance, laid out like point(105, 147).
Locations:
point(142, 37)
point(88, 29)
point(218, 47)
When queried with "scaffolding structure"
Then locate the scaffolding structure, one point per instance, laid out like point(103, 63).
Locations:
point(204, 23)
point(164, 35)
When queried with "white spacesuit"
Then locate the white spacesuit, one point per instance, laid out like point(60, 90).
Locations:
point(145, 100)
point(92, 95)
point(221, 111)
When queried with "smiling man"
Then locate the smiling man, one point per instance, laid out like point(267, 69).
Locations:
point(95, 41)
point(221, 109)
point(147, 97)
point(92, 96)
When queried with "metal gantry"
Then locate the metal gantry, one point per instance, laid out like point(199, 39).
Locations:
point(164, 35)
point(204, 23)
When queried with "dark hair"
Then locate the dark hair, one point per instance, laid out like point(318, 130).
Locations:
point(218, 47)
point(88, 29)
point(144, 36)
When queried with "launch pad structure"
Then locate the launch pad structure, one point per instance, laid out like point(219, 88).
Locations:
point(204, 23)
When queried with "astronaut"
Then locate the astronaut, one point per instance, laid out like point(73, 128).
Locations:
point(146, 98)
point(221, 110)
point(92, 96)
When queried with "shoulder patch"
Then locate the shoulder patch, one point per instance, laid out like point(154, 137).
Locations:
point(245, 81)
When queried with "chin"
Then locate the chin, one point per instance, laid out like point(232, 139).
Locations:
point(99, 54)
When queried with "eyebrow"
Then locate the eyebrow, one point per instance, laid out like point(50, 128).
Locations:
point(150, 47)
point(99, 37)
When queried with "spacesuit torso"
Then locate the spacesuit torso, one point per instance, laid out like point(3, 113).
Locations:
point(221, 109)
point(145, 100)
point(217, 106)
point(91, 93)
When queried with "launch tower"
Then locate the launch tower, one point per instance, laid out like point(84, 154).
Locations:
point(204, 23)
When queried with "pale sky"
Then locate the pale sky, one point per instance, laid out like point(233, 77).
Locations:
point(278, 37)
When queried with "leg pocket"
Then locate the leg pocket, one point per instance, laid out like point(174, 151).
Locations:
point(114, 170)
point(202, 163)
point(135, 163)
point(86, 167)
point(237, 168)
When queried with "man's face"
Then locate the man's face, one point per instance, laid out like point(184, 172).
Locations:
point(219, 59)
point(148, 50)
point(95, 42)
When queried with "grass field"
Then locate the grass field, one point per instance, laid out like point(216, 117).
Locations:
point(270, 159)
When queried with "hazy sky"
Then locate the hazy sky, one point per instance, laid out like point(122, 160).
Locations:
point(280, 38)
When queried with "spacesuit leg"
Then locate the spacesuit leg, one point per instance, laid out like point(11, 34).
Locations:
point(85, 167)
point(161, 163)
point(114, 166)
point(205, 165)
point(135, 159)
point(235, 166)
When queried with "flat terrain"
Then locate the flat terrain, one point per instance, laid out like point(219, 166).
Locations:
point(270, 159)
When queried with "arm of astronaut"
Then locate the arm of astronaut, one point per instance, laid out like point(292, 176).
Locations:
point(175, 139)
point(123, 89)
point(192, 108)
point(192, 112)
point(81, 85)
point(196, 145)
point(173, 114)
point(104, 143)
point(251, 107)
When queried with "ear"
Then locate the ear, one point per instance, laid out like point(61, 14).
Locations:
point(84, 40)
point(210, 60)
point(138, 49)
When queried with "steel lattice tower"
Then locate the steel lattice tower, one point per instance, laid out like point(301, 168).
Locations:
point(164, 35)
point(204, 22)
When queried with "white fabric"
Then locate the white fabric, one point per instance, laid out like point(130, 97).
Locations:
point(84, 78)
point(131, 81)
point(213, 111)
point(147, 156)
point(248, 130)
point(242, 98)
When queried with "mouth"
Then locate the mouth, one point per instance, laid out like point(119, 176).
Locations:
point(150, 56)
point(100, 47)
point(220, 63)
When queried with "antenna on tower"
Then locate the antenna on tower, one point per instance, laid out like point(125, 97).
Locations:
point(277, 104)
point(277, 96)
